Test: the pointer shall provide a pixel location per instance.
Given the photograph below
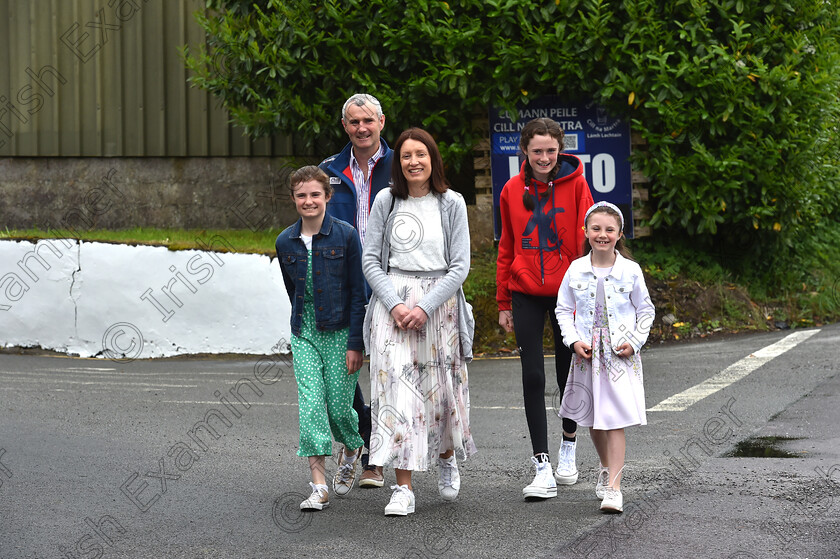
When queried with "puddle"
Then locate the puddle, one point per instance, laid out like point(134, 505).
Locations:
point(762, 447)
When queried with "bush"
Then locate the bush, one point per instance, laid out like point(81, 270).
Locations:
point(739, 107)
point(738, 101)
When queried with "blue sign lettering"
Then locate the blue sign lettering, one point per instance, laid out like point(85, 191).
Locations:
point(601, 141)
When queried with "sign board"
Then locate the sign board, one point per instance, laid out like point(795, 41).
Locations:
point(601, 142)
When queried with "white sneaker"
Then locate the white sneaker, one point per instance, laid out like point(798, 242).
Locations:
point(613, 501)
point(543, 486)
point(402, 501)
point(566, 473)
point(319, 500)
point(603, 481)
point(450, 480)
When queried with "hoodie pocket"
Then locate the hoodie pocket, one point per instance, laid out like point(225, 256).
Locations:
point(525, 276)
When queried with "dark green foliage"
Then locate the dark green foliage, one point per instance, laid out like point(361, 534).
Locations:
point(737, 100)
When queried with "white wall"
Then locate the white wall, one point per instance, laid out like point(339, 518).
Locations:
point(109, 300)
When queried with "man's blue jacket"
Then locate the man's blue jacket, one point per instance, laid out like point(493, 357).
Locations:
point(342, 205)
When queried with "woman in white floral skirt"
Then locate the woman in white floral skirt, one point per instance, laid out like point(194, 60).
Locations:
point(418, 326)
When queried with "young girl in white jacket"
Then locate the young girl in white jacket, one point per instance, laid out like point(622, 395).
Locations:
point(605, 313)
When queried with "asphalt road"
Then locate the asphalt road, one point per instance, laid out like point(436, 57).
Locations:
point(97, 460)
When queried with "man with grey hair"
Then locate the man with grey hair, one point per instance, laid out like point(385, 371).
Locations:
point(363, 167)
point(357, 174)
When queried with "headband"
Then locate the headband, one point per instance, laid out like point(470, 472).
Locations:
point(604, 204)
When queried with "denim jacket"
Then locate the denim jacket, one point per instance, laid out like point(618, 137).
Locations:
point(629, 308)
point(337, 280)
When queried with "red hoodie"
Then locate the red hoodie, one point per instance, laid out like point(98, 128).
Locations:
point(537, 246)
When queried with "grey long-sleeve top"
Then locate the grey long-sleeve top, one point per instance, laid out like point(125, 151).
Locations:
point(456, 233)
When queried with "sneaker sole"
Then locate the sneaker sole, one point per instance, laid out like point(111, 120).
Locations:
point(314, 507)
point(532, 494)
point(410, 510)
point(565, 480)
point(612, 510)
point(371, 483)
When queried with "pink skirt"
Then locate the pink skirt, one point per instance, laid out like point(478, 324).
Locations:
point(605, 392)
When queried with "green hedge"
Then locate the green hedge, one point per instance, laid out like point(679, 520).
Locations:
point(738, 101)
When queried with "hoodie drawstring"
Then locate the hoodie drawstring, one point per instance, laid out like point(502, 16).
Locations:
point(537, 212)
point(556, 230)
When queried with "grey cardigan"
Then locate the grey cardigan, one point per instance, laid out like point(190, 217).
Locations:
point(456, 234)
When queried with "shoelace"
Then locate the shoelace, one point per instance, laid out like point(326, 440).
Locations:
point(344, 470)
point(401, 493)
point(316, 493)
point(539, 464)
point(566, 451)
point(446, 472)
point(604, 476)
point(543, 469)
point(615, 477)
point(611, 494)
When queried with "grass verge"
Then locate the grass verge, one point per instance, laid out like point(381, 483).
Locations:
point(695, 297)
point(227, 240)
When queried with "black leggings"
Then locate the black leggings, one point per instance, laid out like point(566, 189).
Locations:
point(364, 420)
point(528, 325)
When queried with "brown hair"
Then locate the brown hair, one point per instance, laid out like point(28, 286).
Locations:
point(399, 187)
point(620, 245)
point(310, 173)
point(538, 127)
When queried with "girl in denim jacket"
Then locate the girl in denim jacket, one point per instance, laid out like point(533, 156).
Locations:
point(321, 261)
point(605, 313)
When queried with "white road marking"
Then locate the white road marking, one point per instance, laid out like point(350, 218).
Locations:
point(202, 402)
point(733, 373)
point(502, 408)
point(86, 390)
point(677, 402)
point(102, 390)
point(116, 372)
point(100, 383)
point(15, 375)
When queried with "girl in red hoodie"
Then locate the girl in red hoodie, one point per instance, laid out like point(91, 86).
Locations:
point(542, 213)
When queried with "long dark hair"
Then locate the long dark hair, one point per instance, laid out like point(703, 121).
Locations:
point(399, 188)
point(620, 245)
point(538, 127)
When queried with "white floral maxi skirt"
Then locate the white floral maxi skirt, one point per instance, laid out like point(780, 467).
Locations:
point(420, 398)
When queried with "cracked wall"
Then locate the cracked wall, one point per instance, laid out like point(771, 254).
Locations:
point(128, 302)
